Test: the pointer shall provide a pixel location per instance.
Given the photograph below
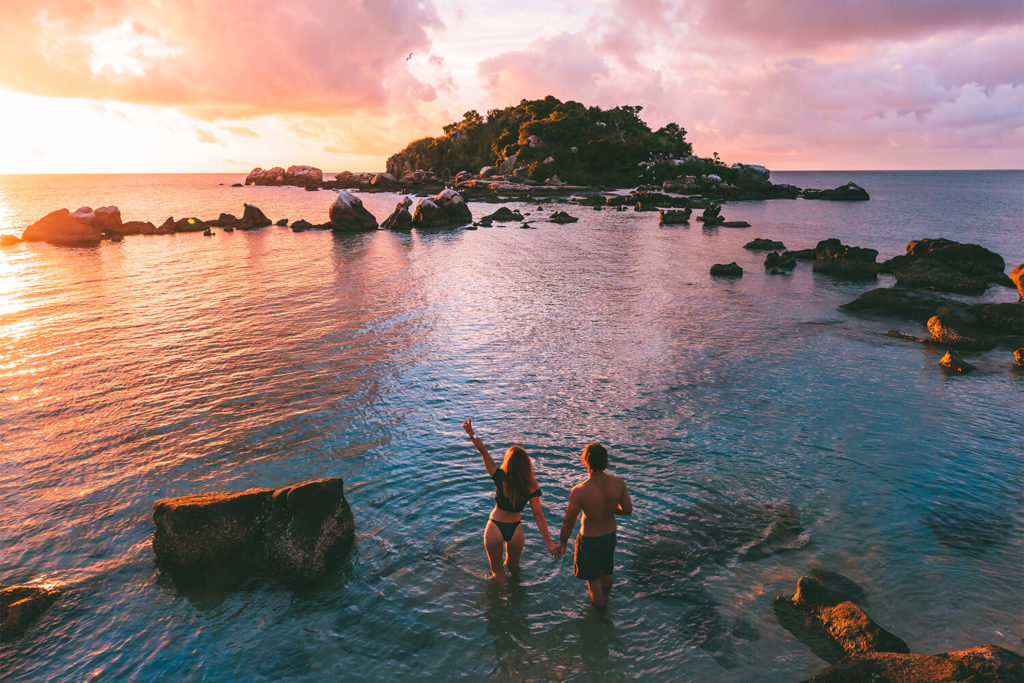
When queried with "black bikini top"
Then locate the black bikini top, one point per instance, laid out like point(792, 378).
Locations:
point(501, 500)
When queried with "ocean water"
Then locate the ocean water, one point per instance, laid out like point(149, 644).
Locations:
point(762, 431)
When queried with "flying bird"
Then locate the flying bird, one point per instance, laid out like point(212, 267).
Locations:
point(409, 57)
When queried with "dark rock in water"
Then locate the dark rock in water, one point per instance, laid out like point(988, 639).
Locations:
point(1018, 357)
point(958, 330)
point(6, 240)
point(191, 224)
point(302, 225)
point(712, 215)
point(674, 216)
point(1006, 318)
point(1017, 277)
point(727, 270)
point(253, 218)
point(348, 213)
point(977, 664)
point(734, 224)
point(114, 238)
point(400, 218)
point(237, 185)
point(292, 532)
point(948, 266)
point(761, 244)
point(955, 364)
point(137, 228)
point(841, 585)
point(802, 254)
point(229, 228)
point(850, 192)
point(832, 626)
point(970, 528)
point(834, 258)
point(504, 214)
point(62, 229)
point(20, 606)
point(447, 210)
point(777, 263)
point(906, 337)
point(208, 232)
point(281, 222)
point(909, 304)
point(561, 217)
point(224, 220)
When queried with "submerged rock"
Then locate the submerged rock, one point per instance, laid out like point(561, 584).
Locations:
point(727, 270)
point(832, 626)
point(292, 532)
point(348, 213)
point(955, 364)
point(762, 244)
point(850, 192)
point(20, 606)
point(948, 266)
point(62, 229)
point(834, 258)
point(503, 215)
point(982, 663)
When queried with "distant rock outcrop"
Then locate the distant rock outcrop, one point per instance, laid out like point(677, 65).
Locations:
point(20, 606)
point(292, 532)
point(348, 214)
point(63, 229)
point(850, 192)
point(302, 176)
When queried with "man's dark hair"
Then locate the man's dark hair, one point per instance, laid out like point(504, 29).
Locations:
point(595, 456)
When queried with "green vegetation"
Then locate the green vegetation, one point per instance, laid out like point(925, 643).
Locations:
point(579, 144)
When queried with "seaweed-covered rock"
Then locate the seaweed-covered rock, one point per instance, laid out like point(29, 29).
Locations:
point(348, 214)
point(20, 606)
point(292, 532)
point(834, 258)
point(727, 270)
point(955, 364)
point(762, 244)
point(62, 229)
point(948, 266)
point(832, 626)
point(400, 218)
point(850, 192)
point(977, 664)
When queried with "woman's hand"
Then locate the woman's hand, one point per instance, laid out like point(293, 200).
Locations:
point(553, 549)
point(468, 426)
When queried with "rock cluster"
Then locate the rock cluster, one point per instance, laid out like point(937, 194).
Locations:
point(302, 176)
point(779, 264)
point(292, 532)
point(674, 216)
point(948, 266)
point(447, 210)
point(850, 192)
point(20, 606)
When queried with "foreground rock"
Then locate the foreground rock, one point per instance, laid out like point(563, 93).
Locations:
point(348, 214)
point(955, 364)
point(727, 270)
point(1017, 277)
point(62, 229)
point(948, 266)
point(958, 330)
point(900, 303)
point(302, 176)
point(447, 210)
point(977, 664)
point(20, 606)
point(400, 218)
point(1018, 357)
point(292, 532)
point(831, 625)
point(834, 258)
point(850, 192)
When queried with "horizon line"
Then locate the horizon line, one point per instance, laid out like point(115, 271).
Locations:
point(786, 170)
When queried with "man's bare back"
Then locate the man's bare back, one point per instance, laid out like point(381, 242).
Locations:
point(601, 497)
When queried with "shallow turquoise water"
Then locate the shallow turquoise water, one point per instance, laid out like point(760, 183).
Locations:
point(169, 365)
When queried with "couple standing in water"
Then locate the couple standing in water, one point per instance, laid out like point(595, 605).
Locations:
point(600, 498)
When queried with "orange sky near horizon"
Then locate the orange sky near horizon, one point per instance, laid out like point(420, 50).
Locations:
point(179, 86)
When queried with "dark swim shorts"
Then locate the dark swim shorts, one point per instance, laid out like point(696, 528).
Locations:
point(594, 556)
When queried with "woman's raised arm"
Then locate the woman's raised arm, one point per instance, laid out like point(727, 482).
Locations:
point(488, 460)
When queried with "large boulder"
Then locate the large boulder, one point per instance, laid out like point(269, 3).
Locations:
point(850, 192)
point(779, 264)
point(948, 266)
point(107, 219)
point(958, 329)
point(349, 214)
point(20, 606)
point(61, 228)
point(762, 244)
point(252, 218)
point(190, 224)
point(750, 175)
point(292, 532)
point(830, 624)
point(429, 215)
point(400, 218)
point(953, 363)
point(982, 663)
point(454, 207)
point(727, 270)
point(1017, 277)
point(561, 217)
point(832, 257)
point(504, 214)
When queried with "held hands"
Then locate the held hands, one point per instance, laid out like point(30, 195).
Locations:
point(468, 426)
point(556, 549)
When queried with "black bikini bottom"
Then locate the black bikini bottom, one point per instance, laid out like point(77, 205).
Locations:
point(507, 529)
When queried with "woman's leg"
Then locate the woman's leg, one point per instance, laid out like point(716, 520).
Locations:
point(514, 549)
point(492, 544)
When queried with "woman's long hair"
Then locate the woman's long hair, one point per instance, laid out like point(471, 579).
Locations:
point(519, 479)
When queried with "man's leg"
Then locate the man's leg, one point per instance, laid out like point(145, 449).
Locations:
point(596, 592)
point(606, 582)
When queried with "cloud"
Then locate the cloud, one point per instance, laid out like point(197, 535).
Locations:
point(205, 136)
point(246, 56)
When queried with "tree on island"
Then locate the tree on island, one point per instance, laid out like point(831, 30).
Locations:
point(549, 138)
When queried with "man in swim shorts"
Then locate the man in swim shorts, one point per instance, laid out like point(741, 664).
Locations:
point(600, 498)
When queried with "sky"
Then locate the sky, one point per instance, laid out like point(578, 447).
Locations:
point(228, 85)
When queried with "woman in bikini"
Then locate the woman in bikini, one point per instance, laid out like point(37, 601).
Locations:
point(514, 486)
